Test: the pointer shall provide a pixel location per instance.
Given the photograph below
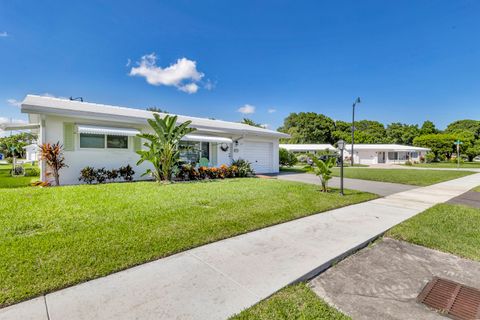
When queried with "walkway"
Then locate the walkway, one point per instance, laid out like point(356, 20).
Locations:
point(220, 279)
point(380, 188)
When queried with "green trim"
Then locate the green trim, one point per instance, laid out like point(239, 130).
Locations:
point(68, 136)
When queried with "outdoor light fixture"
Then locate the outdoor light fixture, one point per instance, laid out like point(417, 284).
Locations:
point(341, 146)
point(357, 101)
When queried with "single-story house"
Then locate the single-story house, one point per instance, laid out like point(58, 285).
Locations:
point(31, 152)
point(308, 148)
point(384, 153)
point(99, 135)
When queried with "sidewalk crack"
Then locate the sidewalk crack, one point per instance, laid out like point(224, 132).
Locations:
point(46, 307)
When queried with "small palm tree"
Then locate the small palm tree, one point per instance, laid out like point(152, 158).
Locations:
point(52, 154)
point(323, 169)
point(163, 146)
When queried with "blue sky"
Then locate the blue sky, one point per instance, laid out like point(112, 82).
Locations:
point(408, 60)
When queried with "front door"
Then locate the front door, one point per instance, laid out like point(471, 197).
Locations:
point(381, 157)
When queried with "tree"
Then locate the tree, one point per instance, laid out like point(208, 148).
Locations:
point(52, 154)
point(156, 109)
point(250, 122)
point(323, 169)
point(163, 145)
point(13, 145)
point(428, 127)
point(401, 133)
point(308, 127)
point(473, 151)
point(366, 131)
point(286, 158)
point(472, 126)
point(440, 144)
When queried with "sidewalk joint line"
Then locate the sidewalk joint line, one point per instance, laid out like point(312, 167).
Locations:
point(225, 275)
point(46, 306)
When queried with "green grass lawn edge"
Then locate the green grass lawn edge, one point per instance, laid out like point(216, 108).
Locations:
point(45, 237)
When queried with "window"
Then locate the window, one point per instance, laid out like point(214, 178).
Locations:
point(414, 154)
point(192, 151)
point(117, 142)
point(89, 140)
point(101, 141)
point(393, 156)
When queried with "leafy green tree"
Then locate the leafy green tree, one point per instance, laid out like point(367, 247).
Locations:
point(163, 146)
point(473, 151)
point(252, 123)
point(16, 142)
point(440, 144)
point(428, 127)
point(323, 169)
point(286, 158)
point(401, 133)
point(156, 109)
point(472, 126)
point(308, 127)
point(366, 131)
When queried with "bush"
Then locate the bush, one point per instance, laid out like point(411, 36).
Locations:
point(244, 168)
point(87, 175)
point(430, 157)
point(408, 163)
point(90, 175)
point(32, 172)
point(187, 172)
point(286, 158)
point(9, 160)
point(126, 173)
point(18, 171)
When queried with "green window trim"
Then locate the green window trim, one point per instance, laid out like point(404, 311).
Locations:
point(68, 136)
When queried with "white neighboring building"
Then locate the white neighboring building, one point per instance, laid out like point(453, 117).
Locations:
point(99, 135)
point(31, 152)
point(384, 153)
point(313, 148)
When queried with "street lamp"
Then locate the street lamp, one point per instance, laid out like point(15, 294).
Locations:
point(353, 123)
point(341, 146)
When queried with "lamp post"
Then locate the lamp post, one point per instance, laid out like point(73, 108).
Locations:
point(353, 123)
point(341, 146)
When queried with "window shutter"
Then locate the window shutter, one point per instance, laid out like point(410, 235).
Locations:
point(214, 151)
point(68, 136)
point(137, 143)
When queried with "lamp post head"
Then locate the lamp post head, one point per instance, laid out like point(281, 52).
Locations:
point(358, 100)
point(341, 144)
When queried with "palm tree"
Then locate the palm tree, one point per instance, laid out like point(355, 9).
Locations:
point(163, 145)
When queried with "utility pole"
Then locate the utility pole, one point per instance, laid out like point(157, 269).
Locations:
point(353, 124)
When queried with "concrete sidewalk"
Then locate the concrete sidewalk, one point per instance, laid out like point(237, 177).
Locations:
point(377, 187)
point(220, 279)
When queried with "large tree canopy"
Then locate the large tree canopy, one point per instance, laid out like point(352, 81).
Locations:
point(440, 144)
point(401, 133)
point(428, 127)
point(308, 127)
point(472, 126)
point(13, 145)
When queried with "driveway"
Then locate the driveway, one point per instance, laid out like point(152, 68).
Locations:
point(380, 188)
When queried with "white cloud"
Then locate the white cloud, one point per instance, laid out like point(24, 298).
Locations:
point(209, 85)
point(14, 102)
point(129, 62)
point(247, 109)
point(272, 110)
point(183, 74)
point(3, 34)
point(9, 120)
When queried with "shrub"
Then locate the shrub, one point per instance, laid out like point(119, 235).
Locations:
point(87, 175)
point(422, 159)
point(212, 173)
point(32, 172)
point(244, 168)
point(52, 154)
point(223, 171)
point(9, 160)
point(187, 172)
point(408, 163)
point(232, 171)
point(112, 175)
point(287, 158)
point(101, 175)
point(18, 171)
point(126, 173)
point(430, 157)
point(202, 172)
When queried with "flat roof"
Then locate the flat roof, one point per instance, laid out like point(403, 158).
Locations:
point(35, 104)
point(386, 147)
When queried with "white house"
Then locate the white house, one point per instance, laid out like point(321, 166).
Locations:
point(99, 135)
point(384, 153)
point(313, 148)
point(31, 152)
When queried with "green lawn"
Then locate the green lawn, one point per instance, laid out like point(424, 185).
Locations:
point(446, 227)
point(466, 165)
point(54, 237)
point(293, 302)
point(403, 176)
point(7, 181)
point(477, 189)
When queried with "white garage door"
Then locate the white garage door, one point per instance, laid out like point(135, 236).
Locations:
point(260, 154)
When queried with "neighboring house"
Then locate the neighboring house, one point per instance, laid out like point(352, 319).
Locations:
point(384, 153)
point(31, 152)
point(308, 148)
point(100, 135)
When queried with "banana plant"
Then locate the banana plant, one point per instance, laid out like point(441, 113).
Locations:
point(163, 145)
point(323, 169)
